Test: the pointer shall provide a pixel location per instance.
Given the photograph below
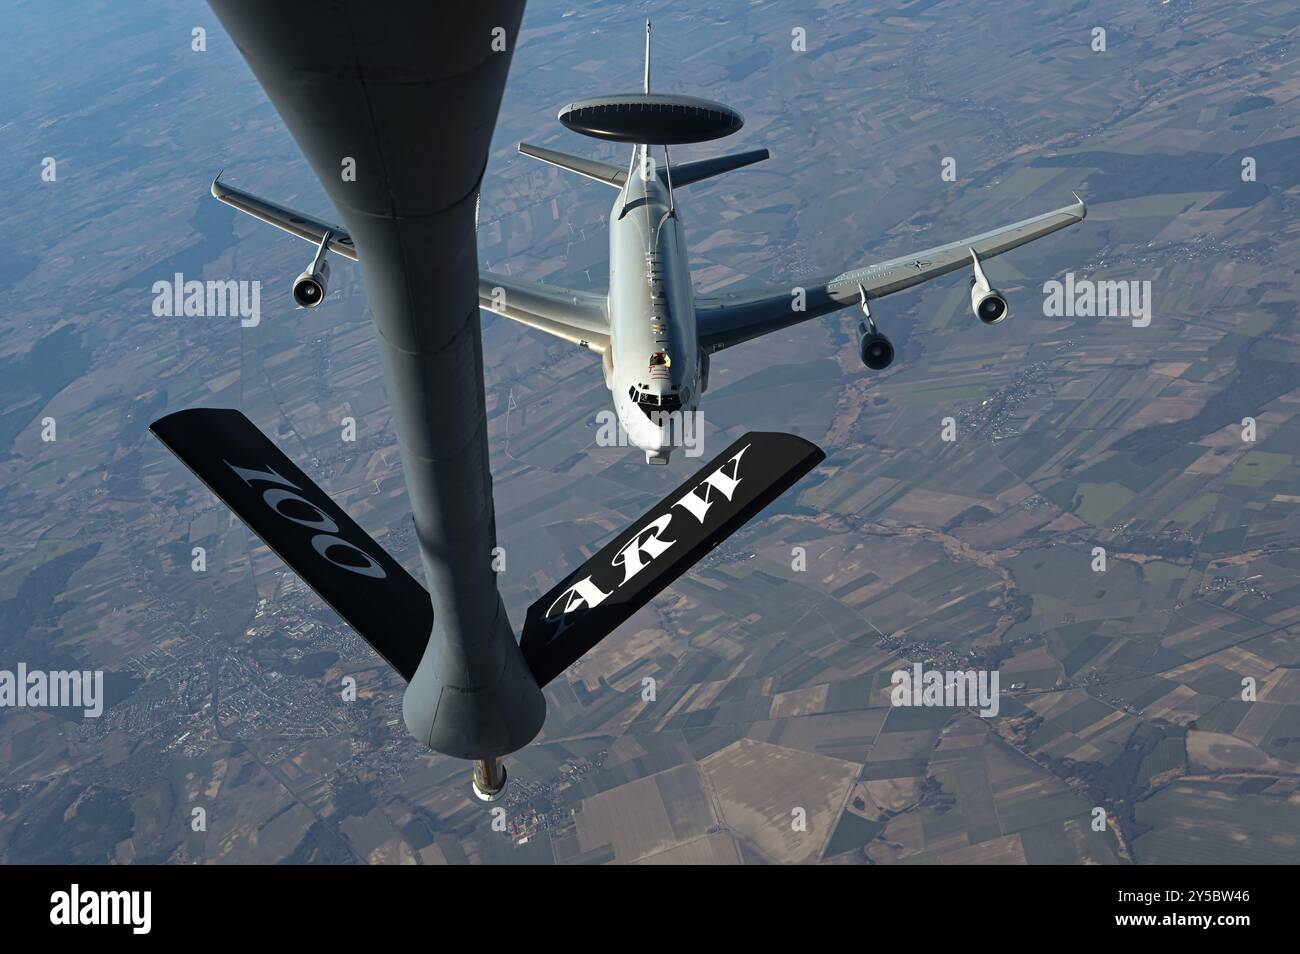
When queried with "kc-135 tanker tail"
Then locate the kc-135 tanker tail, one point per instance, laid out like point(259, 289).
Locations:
point(392, 611)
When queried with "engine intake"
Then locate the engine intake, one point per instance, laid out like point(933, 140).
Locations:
point(990, 305)
point(310, 287)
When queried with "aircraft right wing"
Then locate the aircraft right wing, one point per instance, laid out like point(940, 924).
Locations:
point(579, 317)
point(729, 319)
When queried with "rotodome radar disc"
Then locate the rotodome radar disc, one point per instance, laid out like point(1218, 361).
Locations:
point(655, 119)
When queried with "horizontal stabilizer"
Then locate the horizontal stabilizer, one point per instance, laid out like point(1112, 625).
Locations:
point(689, 172)
point(308, 530)
point(591, 168)
point(659, 547)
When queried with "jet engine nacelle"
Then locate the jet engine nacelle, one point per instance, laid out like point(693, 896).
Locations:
point(989, 304)
point(876, 351)
point(310, 287)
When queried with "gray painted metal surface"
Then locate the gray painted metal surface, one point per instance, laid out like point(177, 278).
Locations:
point(410, 90)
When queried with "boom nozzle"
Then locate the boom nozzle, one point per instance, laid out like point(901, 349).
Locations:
point(489, 779)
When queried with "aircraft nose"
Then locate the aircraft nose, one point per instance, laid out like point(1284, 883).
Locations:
point(654, 438)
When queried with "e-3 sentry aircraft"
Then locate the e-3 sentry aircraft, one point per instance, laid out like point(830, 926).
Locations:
point(655, 335)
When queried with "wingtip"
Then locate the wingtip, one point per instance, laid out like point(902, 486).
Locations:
point(1083, 206)
point(216, 185)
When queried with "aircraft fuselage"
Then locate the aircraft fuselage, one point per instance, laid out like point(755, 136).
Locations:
point(654, 349)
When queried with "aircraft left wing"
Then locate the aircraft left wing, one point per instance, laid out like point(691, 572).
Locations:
point(295, 223)
point(729, 319)
point(578, 317)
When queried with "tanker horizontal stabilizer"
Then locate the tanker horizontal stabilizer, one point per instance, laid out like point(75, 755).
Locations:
point(663, 544)
point(308, 530)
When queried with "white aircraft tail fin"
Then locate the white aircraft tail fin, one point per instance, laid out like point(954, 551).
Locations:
point(647, 56)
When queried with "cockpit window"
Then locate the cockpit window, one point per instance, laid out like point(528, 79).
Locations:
point(652, 404)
